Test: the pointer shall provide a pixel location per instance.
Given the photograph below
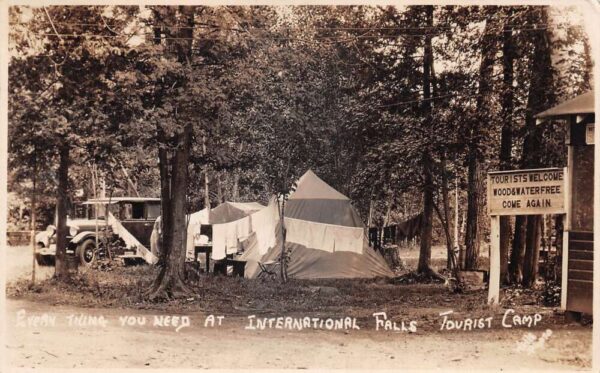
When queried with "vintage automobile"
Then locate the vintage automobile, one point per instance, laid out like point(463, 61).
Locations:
point(130, 219)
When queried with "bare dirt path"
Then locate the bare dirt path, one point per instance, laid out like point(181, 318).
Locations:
point(231, 346)
point(19, 264)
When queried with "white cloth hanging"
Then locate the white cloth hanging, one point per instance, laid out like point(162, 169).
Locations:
point(326, 237)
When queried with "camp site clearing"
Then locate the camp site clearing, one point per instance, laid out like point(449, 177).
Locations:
point(383, 313)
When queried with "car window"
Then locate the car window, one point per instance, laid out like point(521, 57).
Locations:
point(125, 211)
point(153, 211)
point(101, 211)
point(79, 212)
point(137, 210)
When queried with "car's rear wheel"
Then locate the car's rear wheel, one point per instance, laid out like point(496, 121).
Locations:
point(129, 262)
point(86, 252)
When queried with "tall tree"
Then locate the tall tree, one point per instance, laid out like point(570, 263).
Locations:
point(170, 281)
point(540, 96)
point(49, 91)
point(506, 140)
point(428, 184)
point(475, 140)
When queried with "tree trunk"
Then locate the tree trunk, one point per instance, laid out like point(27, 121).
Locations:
point(559, 231)
point(220, 197)
point(462, 233)
point(505, 235)
point(456, 227)
point(236, 179)
point(370, 221)
point(532, 250)
point(425, 249)
point(447, 235)
point(506, 139)
point(62, 201)
point(428, 186)
point(282, 254)
point(515, 269)
point(389, 209)
point(206, 190)
point(540, 96)
point(165, 205)
point(163, 165)
point(106, 225)
point(236, 187)
point(130, 184)
point(94, 177)
point(446, 222)
point(472, 244)
point(471, 234)
point(33, 223)
point(170, 282)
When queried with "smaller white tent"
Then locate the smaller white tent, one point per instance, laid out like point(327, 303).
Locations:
point(197, 219)
point(228, 236)
point(223, 213)
point(229, 211)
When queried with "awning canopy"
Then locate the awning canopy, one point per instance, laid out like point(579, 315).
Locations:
point(582, 104)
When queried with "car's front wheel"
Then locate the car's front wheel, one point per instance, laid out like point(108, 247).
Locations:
point(86, 252)
point(43, 260)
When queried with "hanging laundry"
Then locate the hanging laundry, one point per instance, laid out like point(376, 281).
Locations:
point(406, 230)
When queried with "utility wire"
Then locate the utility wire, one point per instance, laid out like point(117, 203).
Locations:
point(205, 26)
point(436, 30)
point(344, 38)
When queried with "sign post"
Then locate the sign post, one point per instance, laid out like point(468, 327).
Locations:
point(494, 287)
point(520, 192)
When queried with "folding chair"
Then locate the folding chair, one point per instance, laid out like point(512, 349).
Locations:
point(267, 269)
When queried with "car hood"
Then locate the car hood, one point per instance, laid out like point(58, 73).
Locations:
point(82, 224)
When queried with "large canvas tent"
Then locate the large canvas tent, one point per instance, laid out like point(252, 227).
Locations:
point(314, 200)
point(325, 237)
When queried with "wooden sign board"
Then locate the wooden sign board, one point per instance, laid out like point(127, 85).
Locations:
point(526, 192)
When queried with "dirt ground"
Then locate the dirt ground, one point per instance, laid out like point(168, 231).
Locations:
point(19, 264)
point(232, 346)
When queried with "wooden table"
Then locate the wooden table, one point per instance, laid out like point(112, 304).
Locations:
point(239, 267)
point(206, 249)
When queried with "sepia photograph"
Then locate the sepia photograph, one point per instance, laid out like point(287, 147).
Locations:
point(404, 186)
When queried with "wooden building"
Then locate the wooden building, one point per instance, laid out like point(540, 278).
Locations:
point(578, 240)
